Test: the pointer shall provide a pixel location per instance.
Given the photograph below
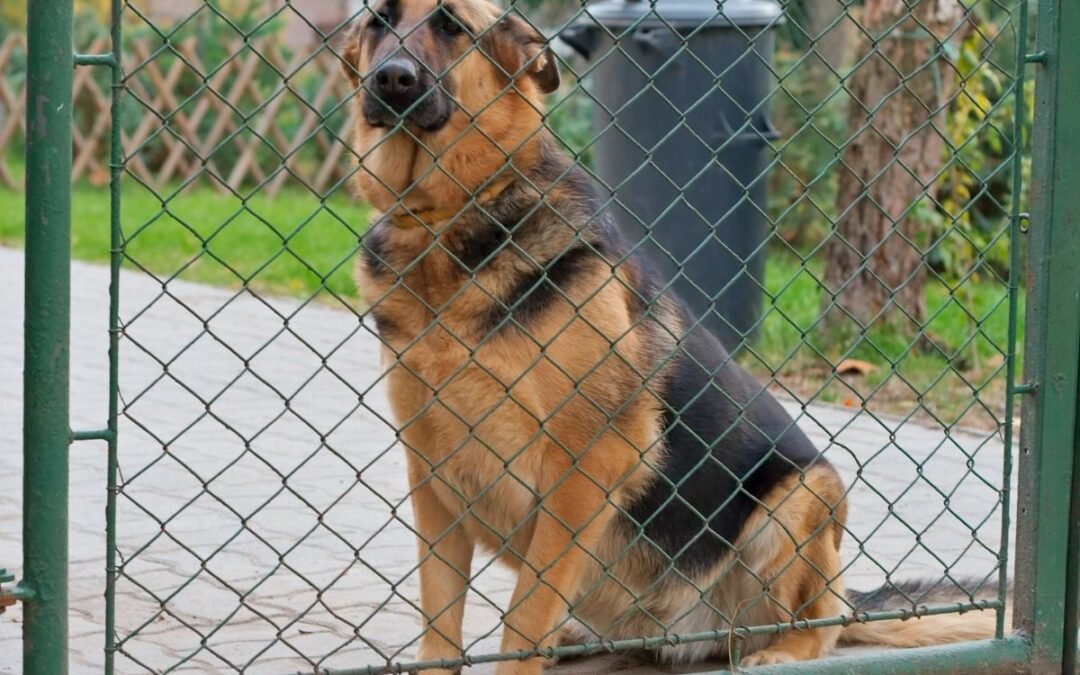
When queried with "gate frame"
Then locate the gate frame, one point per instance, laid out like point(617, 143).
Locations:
point(47, 330)
point(1047, 559)
point(1047, 566)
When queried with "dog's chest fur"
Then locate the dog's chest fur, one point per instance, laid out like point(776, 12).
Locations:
point(485, 336)
point(464, 394)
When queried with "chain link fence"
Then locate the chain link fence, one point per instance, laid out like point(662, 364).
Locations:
point(507, 373)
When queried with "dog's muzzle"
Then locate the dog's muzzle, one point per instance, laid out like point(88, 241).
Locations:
point(399, 90)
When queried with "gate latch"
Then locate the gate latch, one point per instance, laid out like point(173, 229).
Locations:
point(9, 596)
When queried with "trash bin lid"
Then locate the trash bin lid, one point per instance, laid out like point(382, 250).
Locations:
point(682, 13)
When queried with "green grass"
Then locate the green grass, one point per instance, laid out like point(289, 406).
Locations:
point(292, 243)
point(296, 244)
point(959, 359)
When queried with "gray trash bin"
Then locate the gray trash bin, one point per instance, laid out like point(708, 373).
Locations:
point(682, 132)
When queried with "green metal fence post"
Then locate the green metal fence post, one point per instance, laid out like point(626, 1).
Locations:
point(1048, 440)
point(116, 173)
point(46, 432)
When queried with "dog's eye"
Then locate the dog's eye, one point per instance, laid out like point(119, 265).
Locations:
point(380, 22)
point(445, 22)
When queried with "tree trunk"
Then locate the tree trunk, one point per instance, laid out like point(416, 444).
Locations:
point(875, 263)
point(830, 32)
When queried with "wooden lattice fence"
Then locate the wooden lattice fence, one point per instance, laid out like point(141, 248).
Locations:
point(259, 116)
point(12, 107)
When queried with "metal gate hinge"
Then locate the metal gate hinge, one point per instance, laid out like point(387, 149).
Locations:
point(9, 597)
point(94, 59)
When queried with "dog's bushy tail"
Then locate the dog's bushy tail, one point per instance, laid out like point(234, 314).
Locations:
point(926, 630)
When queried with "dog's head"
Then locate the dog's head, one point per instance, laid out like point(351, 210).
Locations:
point(439, 80)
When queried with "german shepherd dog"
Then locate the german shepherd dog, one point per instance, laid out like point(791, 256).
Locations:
point(556, 403)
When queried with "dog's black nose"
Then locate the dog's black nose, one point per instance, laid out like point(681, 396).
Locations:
point(397, 83)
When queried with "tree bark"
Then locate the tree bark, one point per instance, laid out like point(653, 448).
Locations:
point(830, 31)
point(899, 93)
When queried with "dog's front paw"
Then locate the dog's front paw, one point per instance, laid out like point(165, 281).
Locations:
point(767, 657)
point(534, 666)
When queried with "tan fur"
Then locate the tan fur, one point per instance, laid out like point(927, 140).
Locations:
point(925, 631)
point(488, 463)
point(528, 443)
point(481, 141)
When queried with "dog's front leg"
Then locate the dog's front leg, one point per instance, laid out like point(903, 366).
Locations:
point(445, 556)
point(574, 515)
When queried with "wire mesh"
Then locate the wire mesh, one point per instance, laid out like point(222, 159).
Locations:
point(268, 489)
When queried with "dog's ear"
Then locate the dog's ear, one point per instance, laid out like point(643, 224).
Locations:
point(350, 52)
point(521, 51)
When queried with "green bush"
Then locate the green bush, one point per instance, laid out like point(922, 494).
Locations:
point(975, 195)
point(812, 119)
point(570, 117)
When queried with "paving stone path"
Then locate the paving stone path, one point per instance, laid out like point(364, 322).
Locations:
point(263, 501)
